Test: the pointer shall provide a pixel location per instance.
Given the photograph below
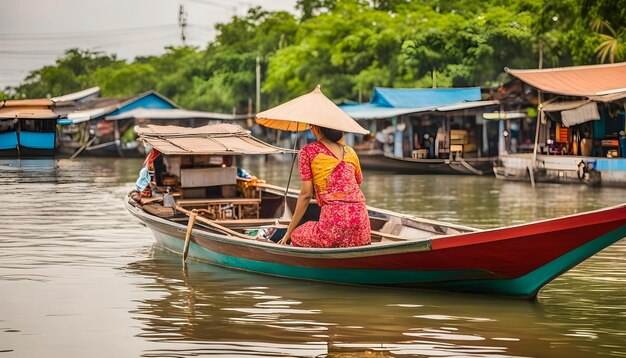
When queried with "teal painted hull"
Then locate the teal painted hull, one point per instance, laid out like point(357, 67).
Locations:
point(526, 286)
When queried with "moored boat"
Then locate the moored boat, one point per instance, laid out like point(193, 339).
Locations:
point(381, 161)
point(237, 218)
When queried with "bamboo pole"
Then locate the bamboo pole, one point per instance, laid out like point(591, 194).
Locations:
point(192, 220)
point(533, 163)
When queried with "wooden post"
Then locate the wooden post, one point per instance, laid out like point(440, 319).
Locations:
point(192, 220)
point(533, 162)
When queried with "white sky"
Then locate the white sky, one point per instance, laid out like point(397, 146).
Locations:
point(34, 33)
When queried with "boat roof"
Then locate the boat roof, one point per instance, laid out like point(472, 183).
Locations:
point(602, 83)
point(215, 139)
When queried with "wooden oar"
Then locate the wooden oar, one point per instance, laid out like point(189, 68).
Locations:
point(83, 147)
point(192, 219)
point(213, 224)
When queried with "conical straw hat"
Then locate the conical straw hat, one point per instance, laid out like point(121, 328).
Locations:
point(310, 109)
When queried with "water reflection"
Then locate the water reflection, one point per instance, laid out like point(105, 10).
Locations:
point(76, 267)
point(210, 310)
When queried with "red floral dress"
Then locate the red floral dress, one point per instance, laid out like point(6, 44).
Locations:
point(343, 220)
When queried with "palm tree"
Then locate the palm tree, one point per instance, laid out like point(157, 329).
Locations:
point(613, 43)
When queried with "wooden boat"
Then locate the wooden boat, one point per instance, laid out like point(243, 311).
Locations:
point(457, 165)
point(405, 252)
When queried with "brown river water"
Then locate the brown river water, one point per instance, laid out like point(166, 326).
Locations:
point(80, 277)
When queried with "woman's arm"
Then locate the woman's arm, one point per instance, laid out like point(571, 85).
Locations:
point(306, 193)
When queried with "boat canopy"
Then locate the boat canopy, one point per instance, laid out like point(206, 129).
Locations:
point(602, 83)
point(27, 109)
point(216, 139)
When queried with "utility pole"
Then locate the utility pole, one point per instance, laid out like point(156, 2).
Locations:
point(258, 84)
point(182, 23)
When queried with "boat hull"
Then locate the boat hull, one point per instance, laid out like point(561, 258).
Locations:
point(462, 166)
point(563, 169)
point(515, 261)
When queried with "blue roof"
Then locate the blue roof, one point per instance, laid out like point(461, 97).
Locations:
point(423, 97)
point(391, 102)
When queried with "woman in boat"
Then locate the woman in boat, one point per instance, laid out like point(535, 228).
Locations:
point(332, 170)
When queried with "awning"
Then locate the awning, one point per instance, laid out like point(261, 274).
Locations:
point(495, 116)
point(166, 113)
point(466, 105)
point(581, 81)
point(563, 105)
point(585, 113)
point(217, 139)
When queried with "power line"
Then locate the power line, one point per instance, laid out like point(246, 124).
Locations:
point(74, 34)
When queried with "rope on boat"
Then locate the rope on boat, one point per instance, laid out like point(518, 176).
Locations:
point(468, 166)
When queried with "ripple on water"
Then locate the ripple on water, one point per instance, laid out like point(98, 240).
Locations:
point(76, 264)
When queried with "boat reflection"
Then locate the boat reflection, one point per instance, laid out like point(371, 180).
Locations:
point(210, 310)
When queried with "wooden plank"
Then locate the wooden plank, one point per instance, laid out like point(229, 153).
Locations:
point(238, 201)
point(158, 210)
point(146, 200)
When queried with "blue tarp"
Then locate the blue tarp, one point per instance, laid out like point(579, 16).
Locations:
point(423, 97)
point(391, 102)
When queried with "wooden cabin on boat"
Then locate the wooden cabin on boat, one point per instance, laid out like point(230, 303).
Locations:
point(426, 131)
point(579, 138)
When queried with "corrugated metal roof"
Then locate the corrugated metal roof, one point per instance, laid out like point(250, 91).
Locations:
point(217, 139)
point(580, 81)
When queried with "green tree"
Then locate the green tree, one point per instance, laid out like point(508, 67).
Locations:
point(69, 74)
point(613, 45)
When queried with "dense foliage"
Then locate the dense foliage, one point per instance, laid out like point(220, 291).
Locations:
point(351, 46)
